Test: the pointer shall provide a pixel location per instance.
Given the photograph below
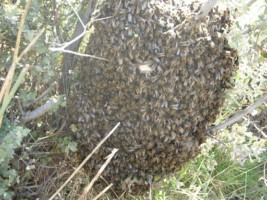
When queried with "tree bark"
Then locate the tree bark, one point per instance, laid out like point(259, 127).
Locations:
point(87, 9)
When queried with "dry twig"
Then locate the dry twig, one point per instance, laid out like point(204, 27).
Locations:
point(264, 173)
point(11, 94)
point(49, 89)
point(64, 46)
point(251, 2)
point(7, 84)
point(5, 94)
point(90, 185)
point(258, 129)
point(84, 161)
point(257, 26)
point(117, 197)
point(239, 115)
point(205, 9)
point(103, 192)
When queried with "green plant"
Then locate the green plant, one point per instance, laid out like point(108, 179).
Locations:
point(67, 145)
point(8, 144)
point(214, 176)
point(29, 72)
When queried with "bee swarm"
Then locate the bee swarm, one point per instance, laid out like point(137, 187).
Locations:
point(164, 82)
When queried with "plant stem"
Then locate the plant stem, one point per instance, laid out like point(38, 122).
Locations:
point(12, 92)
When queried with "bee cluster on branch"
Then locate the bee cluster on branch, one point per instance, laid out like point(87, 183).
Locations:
point(164, 82)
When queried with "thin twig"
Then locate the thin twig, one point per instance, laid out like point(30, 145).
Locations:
point(76, 53)
point(103, 191)
point(30, 45)
point(117, 197)
point(205, 9)
point(22, 112)
point(7, 84)
point(259, 129)
point(239, 115)
point(261, 24)
point(251, 2)
point(63, 48)
point(21, 25)
point(49, 89)
point(90, 185)
point(220, 141)
point(84, 161)
point(263, 41)
point(150, 187)
point(264, 174)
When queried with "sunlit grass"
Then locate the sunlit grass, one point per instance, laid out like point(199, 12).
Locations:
point(225, 180)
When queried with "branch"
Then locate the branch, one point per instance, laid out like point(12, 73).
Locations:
point(12, 92)
point(239, 115)
point(259, 129)
point(264, 173)
point(51, 87)
point(251, 2)
point(263, 41)
point(103, 191)
point(205, 9)
point(80, 31)
point(79, 36)
point(21, 25)
point(264, 22)
point(30, 45)
point(55, 13)
point(7, 84)
point(85, 19)
point(89, 186)
point(76, 53)
point(40, 110)
point(87, 9)
point(84, 161)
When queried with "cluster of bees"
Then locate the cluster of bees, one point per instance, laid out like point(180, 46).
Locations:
point(164, 82)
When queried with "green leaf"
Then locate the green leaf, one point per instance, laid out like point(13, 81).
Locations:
point(9, 195)
point(42, 49)
point(29, 35)
point(264, 54)
point(73, 146)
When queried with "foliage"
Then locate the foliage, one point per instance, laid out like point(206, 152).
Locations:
point(214, 176)
point(67, 145)
point(8, 175)
point(43, 72)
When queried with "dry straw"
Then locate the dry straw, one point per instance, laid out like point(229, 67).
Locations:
point(84, 161)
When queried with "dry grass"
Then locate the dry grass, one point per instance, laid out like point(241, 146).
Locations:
point(48, 173)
